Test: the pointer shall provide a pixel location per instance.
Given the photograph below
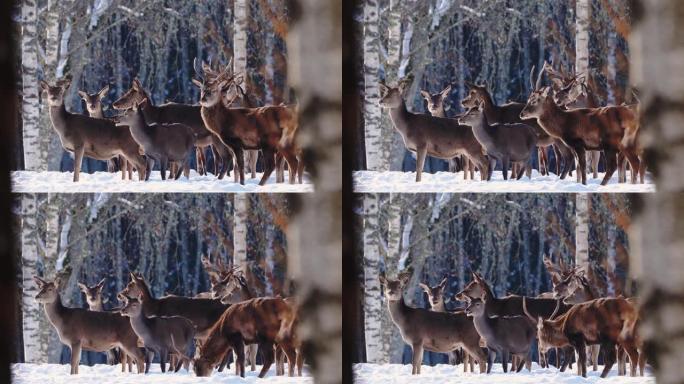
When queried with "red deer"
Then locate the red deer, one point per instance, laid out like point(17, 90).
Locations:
point(435, 105)
point(505, 334)
point(160, 142)
point(597, 321)
point(82, 135)
point(161, 334)
point(84, 329)
point(428, 135)
point(264, 321)
point(247, 128)
point(504, 142)
point(186, 114)
point(93, 104)
point(510, 113)
point(423, 329)
point(436, 299)
point(584, 128)
point(630, 335)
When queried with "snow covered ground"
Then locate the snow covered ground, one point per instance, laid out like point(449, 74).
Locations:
point(40, 182)
point(371, 181)
point(443, 373)
point(107, 374)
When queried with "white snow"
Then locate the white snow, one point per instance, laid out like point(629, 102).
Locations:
point(405, 182)
point(108, 374)
point(443, 373)
point(43, 182)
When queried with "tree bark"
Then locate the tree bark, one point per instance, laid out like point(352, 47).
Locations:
point(656, 44)
point(241, 207)
point(35, 149)
point(582, 209)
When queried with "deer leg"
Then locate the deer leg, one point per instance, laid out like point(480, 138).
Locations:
point(240, 359)
point(633, 359)
point(240, 164)
point(280, 167)
point(611, 165)
point(504, 360)
point(608, 358)
point(252, 157)
point(642, 362)
point(267, 354)
point(582, 358)
point(292, 359)
point(279, 360)
point(490, 168)
point(491, 357)
point(417, 358)
point(621, 361)
point(78, 160)
point(581, 163)
point(162, 360)
point(633, 164)
point(269, 165)
point(291, 160)
point(421, 153)
point(252, 350)
point(75, 357)
point(300, 170)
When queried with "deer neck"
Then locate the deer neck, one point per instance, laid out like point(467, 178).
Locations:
point(58, 116)
point(398, 310)
point(213, 117)
point(491, 110)
point(140, 129)
point(141, 325)
point(98, 113)
point(97, 307)
point(483, 325)
point(399, 116)
point(55, 312)
point(440, 112)
point(553, 119)
point(480, 130)
point(439, 306)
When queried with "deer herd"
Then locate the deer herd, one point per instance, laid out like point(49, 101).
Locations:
point(564, 116)
point(576, 318)
point(227, 318)
point(227, 122)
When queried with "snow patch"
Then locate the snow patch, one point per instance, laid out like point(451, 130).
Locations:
point(103, 374)
point(404, 182)
point(443, 373)
point(61, 182)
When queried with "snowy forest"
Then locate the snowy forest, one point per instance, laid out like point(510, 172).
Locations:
point(441, 48)
point(163, 237)
point(505, 237)
point(102, 46)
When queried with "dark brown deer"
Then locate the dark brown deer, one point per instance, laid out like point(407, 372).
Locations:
point(161, 334)
point(262, 321)
point(572, 91)
point(510, 113)
point(423, 329)
point(428, 135)
point(508, 143)
point(436, 299)
point(161, 142)
point(94, 107)
point(584, 128)
point(82, 135)
point(597, 321)
point(505, 334)
point(186, 114)
point(435, 105)
point(203, 313)
point(84, 329)
point(630, 335)
point(247, 128)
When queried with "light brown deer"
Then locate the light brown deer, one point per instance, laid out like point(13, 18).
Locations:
point(428, 135)
point(82, 135)
point(435, 105)
point(436, 299)
point(84, 329)
point(423, 329)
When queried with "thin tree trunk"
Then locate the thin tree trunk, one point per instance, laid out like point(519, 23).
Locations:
point(582, 209)
point(656, 44)
point(35, 150)
point(240, 209)
point(35, 340)
point(582, 25)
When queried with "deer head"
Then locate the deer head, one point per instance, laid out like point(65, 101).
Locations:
point(436, 293)
point(132, 289)
point(473, 116)
point(474, 289)
point(537, 103)
point(94, 102)
point(132, 97)
point(435, 102)
point(394, 288)
point(476, 95)
point(392, 97)
point(48, 291)
point(132, 308)
point(475, 308)
point(93, 294)
point(55, 93)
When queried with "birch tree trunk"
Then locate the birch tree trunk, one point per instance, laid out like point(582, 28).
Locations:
point(376, 139)
point(377, 349)
point(315, 63)
point(582, 25)
point(52, 143)
point(35, 340)
point(582, 209)
point(35, 150)
point(240, 209)
point(392, 70)
point(240, 27)
point(656, 46)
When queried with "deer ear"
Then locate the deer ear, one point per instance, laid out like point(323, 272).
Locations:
point(100, 285)
point(382, 279)
point(83, 287)
point(424, 287)
point(83, 95)
point(44, 85)
point(239, 79)
point(425, 95)
point(197, 82)
point(136, 84)
point(446, 91)
point(443, 282)
point(66, 82)
point(383, 88)
point(39, 282)
point(103, 92)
